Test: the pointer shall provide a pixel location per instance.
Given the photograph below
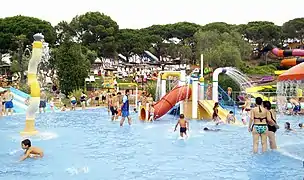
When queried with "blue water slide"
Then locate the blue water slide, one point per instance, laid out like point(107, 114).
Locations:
point(19, 101)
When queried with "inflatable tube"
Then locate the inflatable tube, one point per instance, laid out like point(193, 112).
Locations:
point(34, 86)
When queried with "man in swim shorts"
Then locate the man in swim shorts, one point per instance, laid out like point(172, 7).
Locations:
point(112, 105)
point(30, 151)
point(184, 125)
point(125, 108)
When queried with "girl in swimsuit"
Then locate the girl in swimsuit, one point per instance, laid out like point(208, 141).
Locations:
point(215, 116)
point(258, 125)
point(246, 109)
point(271, 129)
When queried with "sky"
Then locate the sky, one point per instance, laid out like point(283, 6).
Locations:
point(143, 13)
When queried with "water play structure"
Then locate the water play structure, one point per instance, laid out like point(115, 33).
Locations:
point(19, 98)
point(290, 84)
point(34, 86)
point(189, 94)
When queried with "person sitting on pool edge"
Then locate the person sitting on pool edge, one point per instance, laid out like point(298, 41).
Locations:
point(30, 151)
point(207, 129)
point(184, 125)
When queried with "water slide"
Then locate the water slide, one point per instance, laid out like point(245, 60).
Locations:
point(286, 53)
point(19, 101)
point(206, 110)
point(167, 102)
point(253, 91)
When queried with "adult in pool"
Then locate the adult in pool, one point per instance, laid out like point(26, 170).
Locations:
point(271, 129)
point(125, 108)
point(258, 125)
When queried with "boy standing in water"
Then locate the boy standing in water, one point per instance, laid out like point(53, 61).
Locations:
point(184, 125)
point(30, 151)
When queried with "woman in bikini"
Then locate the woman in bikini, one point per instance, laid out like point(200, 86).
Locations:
point(271, 129)
point(215, 115)
point(258, 125)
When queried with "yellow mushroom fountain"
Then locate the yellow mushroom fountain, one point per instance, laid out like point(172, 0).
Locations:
point(34, 86)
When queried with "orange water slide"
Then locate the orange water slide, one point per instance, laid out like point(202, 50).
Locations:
point(167, 102)
point(292, 61)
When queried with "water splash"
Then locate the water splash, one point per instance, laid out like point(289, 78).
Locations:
point(76, 171)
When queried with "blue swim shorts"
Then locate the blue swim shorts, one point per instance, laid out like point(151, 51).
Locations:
point(124, 113)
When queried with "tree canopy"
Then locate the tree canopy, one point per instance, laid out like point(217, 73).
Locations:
point(95, 34)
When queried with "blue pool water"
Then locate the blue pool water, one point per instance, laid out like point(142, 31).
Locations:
point(86, 145)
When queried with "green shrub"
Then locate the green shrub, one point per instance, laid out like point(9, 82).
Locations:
point(25, 88)
point(151, 88)
point(259, 70)
point(76, 94)
point(225, 82)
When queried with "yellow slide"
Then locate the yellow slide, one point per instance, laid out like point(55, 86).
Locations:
point(205, 111)
point(253, 91)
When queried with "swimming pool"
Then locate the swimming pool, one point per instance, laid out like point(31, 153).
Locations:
point(86, 145)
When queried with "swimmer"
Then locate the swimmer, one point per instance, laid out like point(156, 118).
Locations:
point(184, 125)
point(207, 129)
point(301, 125)
point(230, 118)
point(135, 111)
point(287, 127)
point(30, 151)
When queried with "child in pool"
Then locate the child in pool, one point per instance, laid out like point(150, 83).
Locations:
point(151, 111)
point(30, 151)
point(230, 118)
point(184, 125)
point(207, 129)
point(64, 108)
point(301, 125)
point(287, 127)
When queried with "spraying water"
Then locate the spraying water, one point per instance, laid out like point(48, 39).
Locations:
point(240, 78)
